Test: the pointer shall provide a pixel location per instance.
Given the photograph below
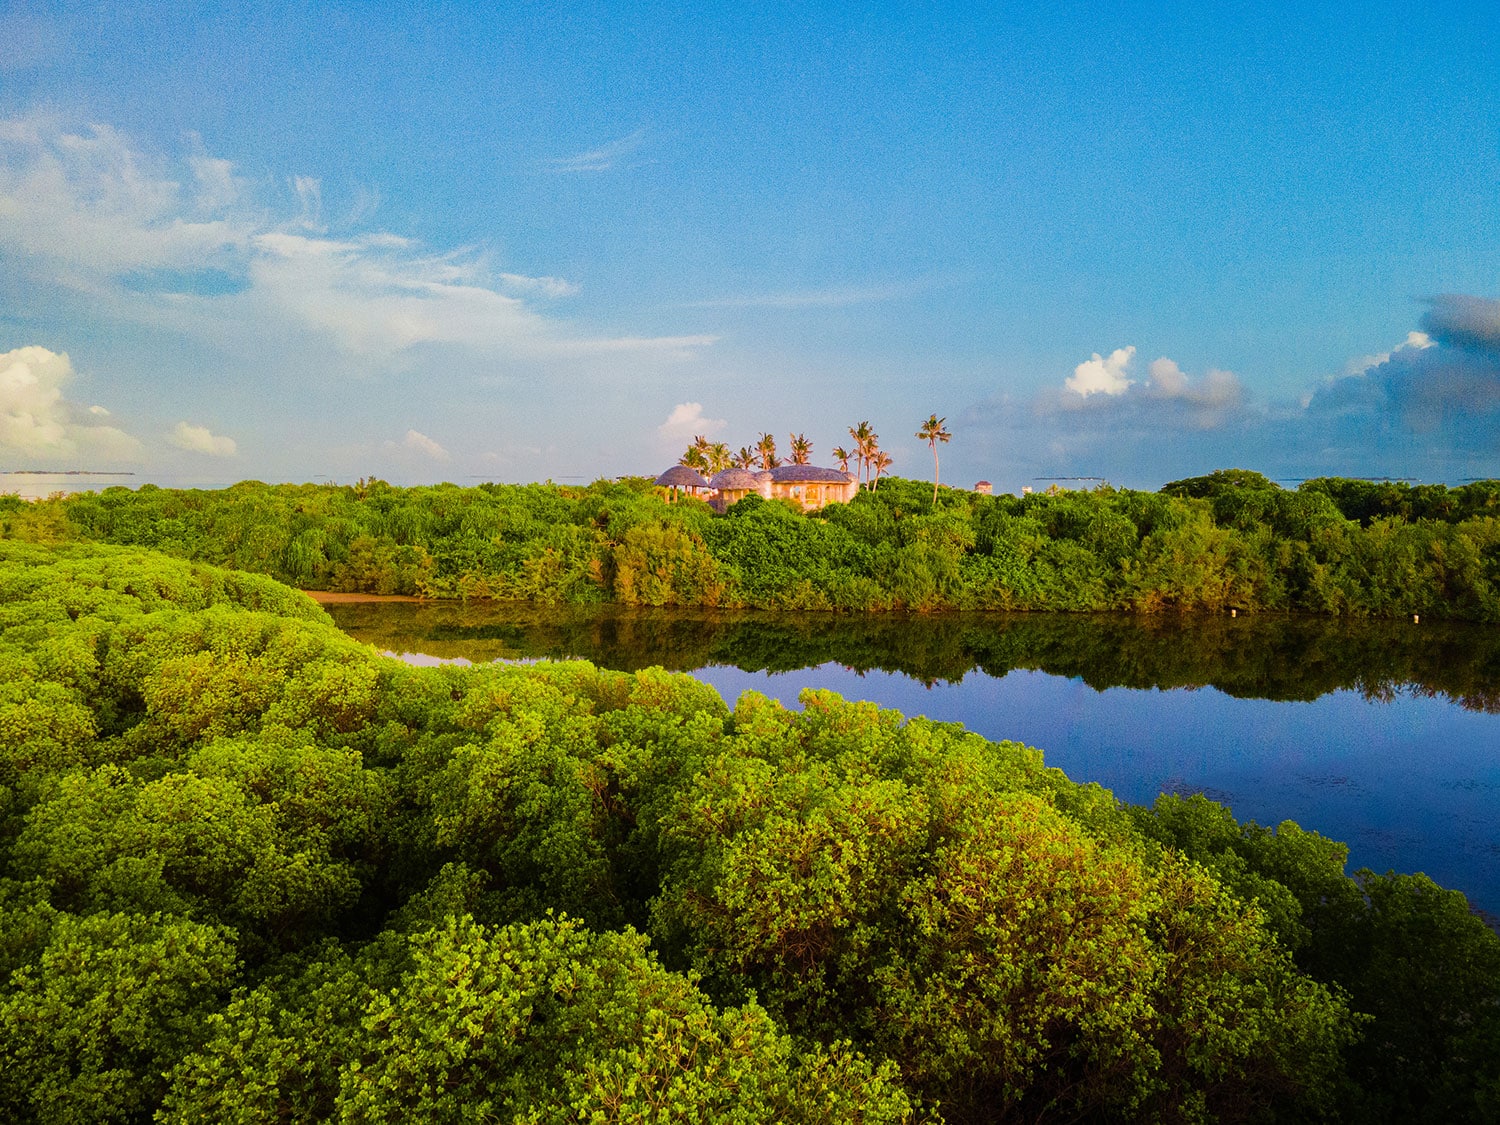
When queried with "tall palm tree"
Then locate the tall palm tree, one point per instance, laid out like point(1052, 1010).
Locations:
point(932, 432)
point(880, 463)
point(719, 457)
point(864, 443)
point(694, 459)
point(801, 449)
point(745, 458)
point(765, 449)
point(841, 455)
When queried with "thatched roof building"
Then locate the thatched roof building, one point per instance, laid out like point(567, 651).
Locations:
point(734, 485)
point(736, 480)
point(808, 486)
point(811, 487)
point(808, 474)
point(681, 478)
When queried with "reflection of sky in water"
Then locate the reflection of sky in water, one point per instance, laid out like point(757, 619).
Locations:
point(1411, 784)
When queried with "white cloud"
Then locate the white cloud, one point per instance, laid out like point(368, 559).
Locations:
point(218, 186)
point(686, 422)
point(1102, 376)
point(1217, 389)
point(1166, 376)
point(600, 159)
point(198, 439)
point(183, 246)
point(35, 418)
point(421, 443)
point(91, 207)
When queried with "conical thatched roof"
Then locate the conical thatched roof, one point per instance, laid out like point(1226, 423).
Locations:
point(680, 476)
point(794, 474)
point(735, 479)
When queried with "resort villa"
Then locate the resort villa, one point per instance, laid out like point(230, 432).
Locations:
point(807, 486)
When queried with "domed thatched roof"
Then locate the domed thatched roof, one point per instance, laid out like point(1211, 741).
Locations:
point(810, 474)
point(680, 476)
point(735, 479)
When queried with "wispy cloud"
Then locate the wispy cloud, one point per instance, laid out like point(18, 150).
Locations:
point(600, 159)
point(185, 245)
point(831, 298)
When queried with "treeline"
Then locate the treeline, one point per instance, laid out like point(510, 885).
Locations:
point(250, 871)
point(1231, 540)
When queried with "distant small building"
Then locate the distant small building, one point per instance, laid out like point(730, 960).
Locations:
point(680, 479)
point(984, 488)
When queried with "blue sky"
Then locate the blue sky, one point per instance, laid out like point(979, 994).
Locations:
point(1137, 242)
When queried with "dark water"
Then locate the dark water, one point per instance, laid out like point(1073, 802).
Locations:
point(1385, 735)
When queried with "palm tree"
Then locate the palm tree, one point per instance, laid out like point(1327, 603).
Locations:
point(864, 443)
point(694, 459)
point(745, 458)
point(841, 455)
point(801, 449)
point(932, 432)
point(880, 462)
point(765, 449)
point(719, 457)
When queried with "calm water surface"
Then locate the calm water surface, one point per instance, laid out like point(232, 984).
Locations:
point(1383, 735)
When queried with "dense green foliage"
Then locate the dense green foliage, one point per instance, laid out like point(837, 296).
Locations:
point(252, 871)
point(1231, 540)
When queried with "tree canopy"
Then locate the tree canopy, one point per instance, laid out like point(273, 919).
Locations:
point(253, 871)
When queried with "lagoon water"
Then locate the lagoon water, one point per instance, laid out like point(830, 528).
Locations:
point(1380, 734)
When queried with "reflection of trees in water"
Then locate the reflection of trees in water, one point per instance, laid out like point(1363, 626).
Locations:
point(1283, 658)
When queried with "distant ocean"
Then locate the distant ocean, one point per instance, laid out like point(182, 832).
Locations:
point(38, 486)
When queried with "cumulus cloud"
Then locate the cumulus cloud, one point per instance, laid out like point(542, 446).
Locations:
point(1426, 409)
point(37, 420)
point(419, 442)
point(1168, 399)
point(198, 439)
point(1466, 323)
point(1102, 376)
point(186, 245)
point(1444, 381)
point(686, 422)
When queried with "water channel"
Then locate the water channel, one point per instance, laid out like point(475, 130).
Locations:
point(1385, 735)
